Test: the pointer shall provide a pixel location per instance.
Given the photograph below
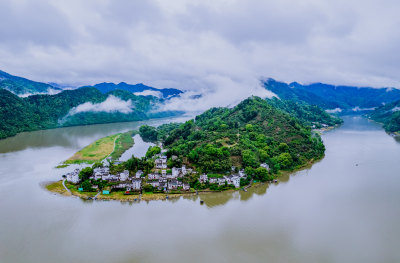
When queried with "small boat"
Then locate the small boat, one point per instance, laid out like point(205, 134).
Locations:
point(201, 202)
point(275, 181)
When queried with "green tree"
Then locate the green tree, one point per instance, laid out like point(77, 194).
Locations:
point(85, 173)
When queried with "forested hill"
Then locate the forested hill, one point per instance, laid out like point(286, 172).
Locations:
point(22, 86)
point(247, 135)
point(309, 115)
point(332, 97)
point(389, 115)
point(50, 111)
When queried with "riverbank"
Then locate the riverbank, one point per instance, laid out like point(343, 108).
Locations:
point(58, 188)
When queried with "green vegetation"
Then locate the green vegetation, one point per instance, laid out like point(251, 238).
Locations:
point(20, 85)
point(309, 115)
point(122, 143)
point(96, 151)
point(51, 111)
point(246, 136)
point(389, 115)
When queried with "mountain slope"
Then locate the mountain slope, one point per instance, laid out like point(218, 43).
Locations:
point(250, 133)
point(72, 107)
point(22, 86)
point(137, 88)
point(389, 115)
point(309, 115)
point(331, 97)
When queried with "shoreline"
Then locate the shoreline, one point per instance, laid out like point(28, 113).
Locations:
point(58, 188)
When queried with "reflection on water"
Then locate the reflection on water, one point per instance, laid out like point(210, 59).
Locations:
point(139, 148)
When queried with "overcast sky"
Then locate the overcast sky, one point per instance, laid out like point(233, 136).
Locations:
point(219, 46)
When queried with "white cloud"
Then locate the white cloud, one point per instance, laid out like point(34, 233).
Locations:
point(111, 104)
point(336, 110)
point(154, 93)
point(216, 47)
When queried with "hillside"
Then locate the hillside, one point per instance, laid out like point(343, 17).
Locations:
point(327, 96)
point(389, 115)
point(247, 135)
point(72, 107)
point(22, 86)
point(309, 115)
point(137, 88)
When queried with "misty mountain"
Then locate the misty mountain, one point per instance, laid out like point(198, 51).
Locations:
point(22, 86)
point(326, 96)
point(389, 115)
point(82, 106)
point(138, 89)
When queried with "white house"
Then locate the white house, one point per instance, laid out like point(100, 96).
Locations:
point(136, 184)
point(154, 176)
point(139, 174)
point(203, 178)
point(235, 180)
point(124, 175)
point(175, 172)
point(213, 180)
point(73, 177)
point(161, 163)
point(186, 187)
point(264, 165)
point(99, 172)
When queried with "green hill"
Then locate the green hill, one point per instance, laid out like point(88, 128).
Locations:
point(247, 135)
point(51, 111)
point(389, 115)
point(21, 86)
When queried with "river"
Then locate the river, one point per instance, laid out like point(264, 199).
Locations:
point(345, 208)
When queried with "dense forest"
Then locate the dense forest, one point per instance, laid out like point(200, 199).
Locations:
point(50, 111)
point(21, 86)
point(332, 97)
point(307, 114)
point(389, 115)
point(245, 136)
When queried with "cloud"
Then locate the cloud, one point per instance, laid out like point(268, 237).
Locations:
point(111, 104)
point(154, 93)
point(217, 48)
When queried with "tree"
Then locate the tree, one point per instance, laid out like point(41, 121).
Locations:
point(87, 186)
point(285, 160)
point(153, 150)
point(148, 133)
point(85, 173)
point(250, 159)
point(148, 188)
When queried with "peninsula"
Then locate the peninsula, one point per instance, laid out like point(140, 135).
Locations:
point(221, 149)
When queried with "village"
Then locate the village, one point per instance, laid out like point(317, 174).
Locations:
point(160, 178)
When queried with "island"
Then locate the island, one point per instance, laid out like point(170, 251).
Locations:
point(223, 149)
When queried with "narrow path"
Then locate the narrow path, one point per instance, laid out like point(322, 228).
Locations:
point(69, 191)
point(115, 140)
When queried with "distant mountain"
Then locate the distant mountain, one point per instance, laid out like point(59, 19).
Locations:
point(22, 86)
point(73, 107)
point(138, 89)
point(346, 98)
point(389, 115)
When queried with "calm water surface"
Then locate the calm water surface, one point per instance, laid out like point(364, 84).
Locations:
point(344, 209)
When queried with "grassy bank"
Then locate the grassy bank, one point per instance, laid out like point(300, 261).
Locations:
point(113, 146)
point(122, 143)
point(57, 187)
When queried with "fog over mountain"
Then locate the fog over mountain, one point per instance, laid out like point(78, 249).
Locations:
point(217, 48)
